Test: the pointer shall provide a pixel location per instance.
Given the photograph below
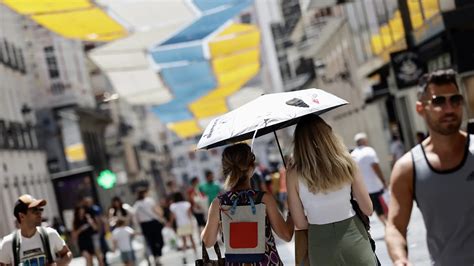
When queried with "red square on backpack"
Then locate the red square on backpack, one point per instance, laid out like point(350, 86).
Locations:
point(243, 235)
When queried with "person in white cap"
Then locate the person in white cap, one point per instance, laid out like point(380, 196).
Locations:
point(33, 244)
point(368, 163)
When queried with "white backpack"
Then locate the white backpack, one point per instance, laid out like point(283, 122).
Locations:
point(243, 229)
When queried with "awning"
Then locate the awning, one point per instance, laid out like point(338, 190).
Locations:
point(198, 58)
point(187, 64)
point(125, 61)
point(200, 82)
point(234, 59)
point(76, 19)
point(190, 128)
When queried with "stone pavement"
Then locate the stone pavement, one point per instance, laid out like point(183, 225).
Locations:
point(416, 240)
point(417, 249)
point(173, 257)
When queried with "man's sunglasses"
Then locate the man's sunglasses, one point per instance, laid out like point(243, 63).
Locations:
point(36, 210)
point(440, 100)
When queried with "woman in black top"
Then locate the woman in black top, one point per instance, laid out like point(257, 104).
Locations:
point(84, 228)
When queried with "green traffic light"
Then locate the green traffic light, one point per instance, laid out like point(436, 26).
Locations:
point(107, 179)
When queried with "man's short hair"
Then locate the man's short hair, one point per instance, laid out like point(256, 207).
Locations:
point(208, 173)
point(170, 183)
point(437, 77)
point(120, 222)
point(26, 202)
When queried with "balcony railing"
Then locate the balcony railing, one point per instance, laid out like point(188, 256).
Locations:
point(17, 136)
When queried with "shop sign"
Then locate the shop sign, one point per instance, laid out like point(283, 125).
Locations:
point(408, 68)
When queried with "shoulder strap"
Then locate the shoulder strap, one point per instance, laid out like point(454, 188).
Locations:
point(359, 213)
point(414, 177)
point(471, 143)
point(259, 197)
point(418, 162)
point(16, 249)
point(45, 241)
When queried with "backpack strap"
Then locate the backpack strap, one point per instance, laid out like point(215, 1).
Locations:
point(16, 248)
point(249, 194)
point(45, 241)
point(259, 197)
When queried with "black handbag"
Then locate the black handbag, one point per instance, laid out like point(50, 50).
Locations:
point(366, 222)
point(205, 261)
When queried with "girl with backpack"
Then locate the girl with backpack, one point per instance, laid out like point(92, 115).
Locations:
point(238, 163)
point(320, 180)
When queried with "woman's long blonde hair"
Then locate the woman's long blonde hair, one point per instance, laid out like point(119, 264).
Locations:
point(237, 163)
point(320, 158)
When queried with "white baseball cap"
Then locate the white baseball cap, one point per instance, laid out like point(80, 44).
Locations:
point(360, 136)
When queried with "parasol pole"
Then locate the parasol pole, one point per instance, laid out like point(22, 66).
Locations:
point(279, 148)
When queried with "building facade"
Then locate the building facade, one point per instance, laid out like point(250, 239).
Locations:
point(324, 36)
point(406, 39)
point(48, 89)
point(23, 167)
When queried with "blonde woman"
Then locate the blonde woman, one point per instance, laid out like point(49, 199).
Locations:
point(238, 163)
point(320, 180)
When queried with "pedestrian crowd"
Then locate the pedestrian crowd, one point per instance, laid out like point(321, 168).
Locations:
point(323, 197)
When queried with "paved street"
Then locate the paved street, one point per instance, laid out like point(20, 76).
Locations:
point(418, 251)
point(416, 237)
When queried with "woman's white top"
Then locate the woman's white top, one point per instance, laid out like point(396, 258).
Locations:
point(181, 211)
point(144, 210)
point(326, 207)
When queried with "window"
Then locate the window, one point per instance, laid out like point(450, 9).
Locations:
point(11, 141)
point(203, 157)
point(19, 135)
point(51, 62)
point(25, 136)
point(246, 18)
point(32, 140)
point(15, 141)
point(3, 134)
point(381, 12)
point(181, 162)
point(2, 60)
point(360, 15)
point(21, 61)
point(78, 67)
point(6, 53)
point(352, 18)
point(57, 87)
point(13, 61)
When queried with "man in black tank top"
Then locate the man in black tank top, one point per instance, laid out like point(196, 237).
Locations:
point(439, 175)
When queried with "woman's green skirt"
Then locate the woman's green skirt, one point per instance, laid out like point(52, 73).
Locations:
point(340, 243)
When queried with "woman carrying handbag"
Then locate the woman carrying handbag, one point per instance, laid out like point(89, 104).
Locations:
point(320, 180)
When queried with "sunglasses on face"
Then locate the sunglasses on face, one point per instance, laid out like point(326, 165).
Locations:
point(440, 100)
point(36, 210)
